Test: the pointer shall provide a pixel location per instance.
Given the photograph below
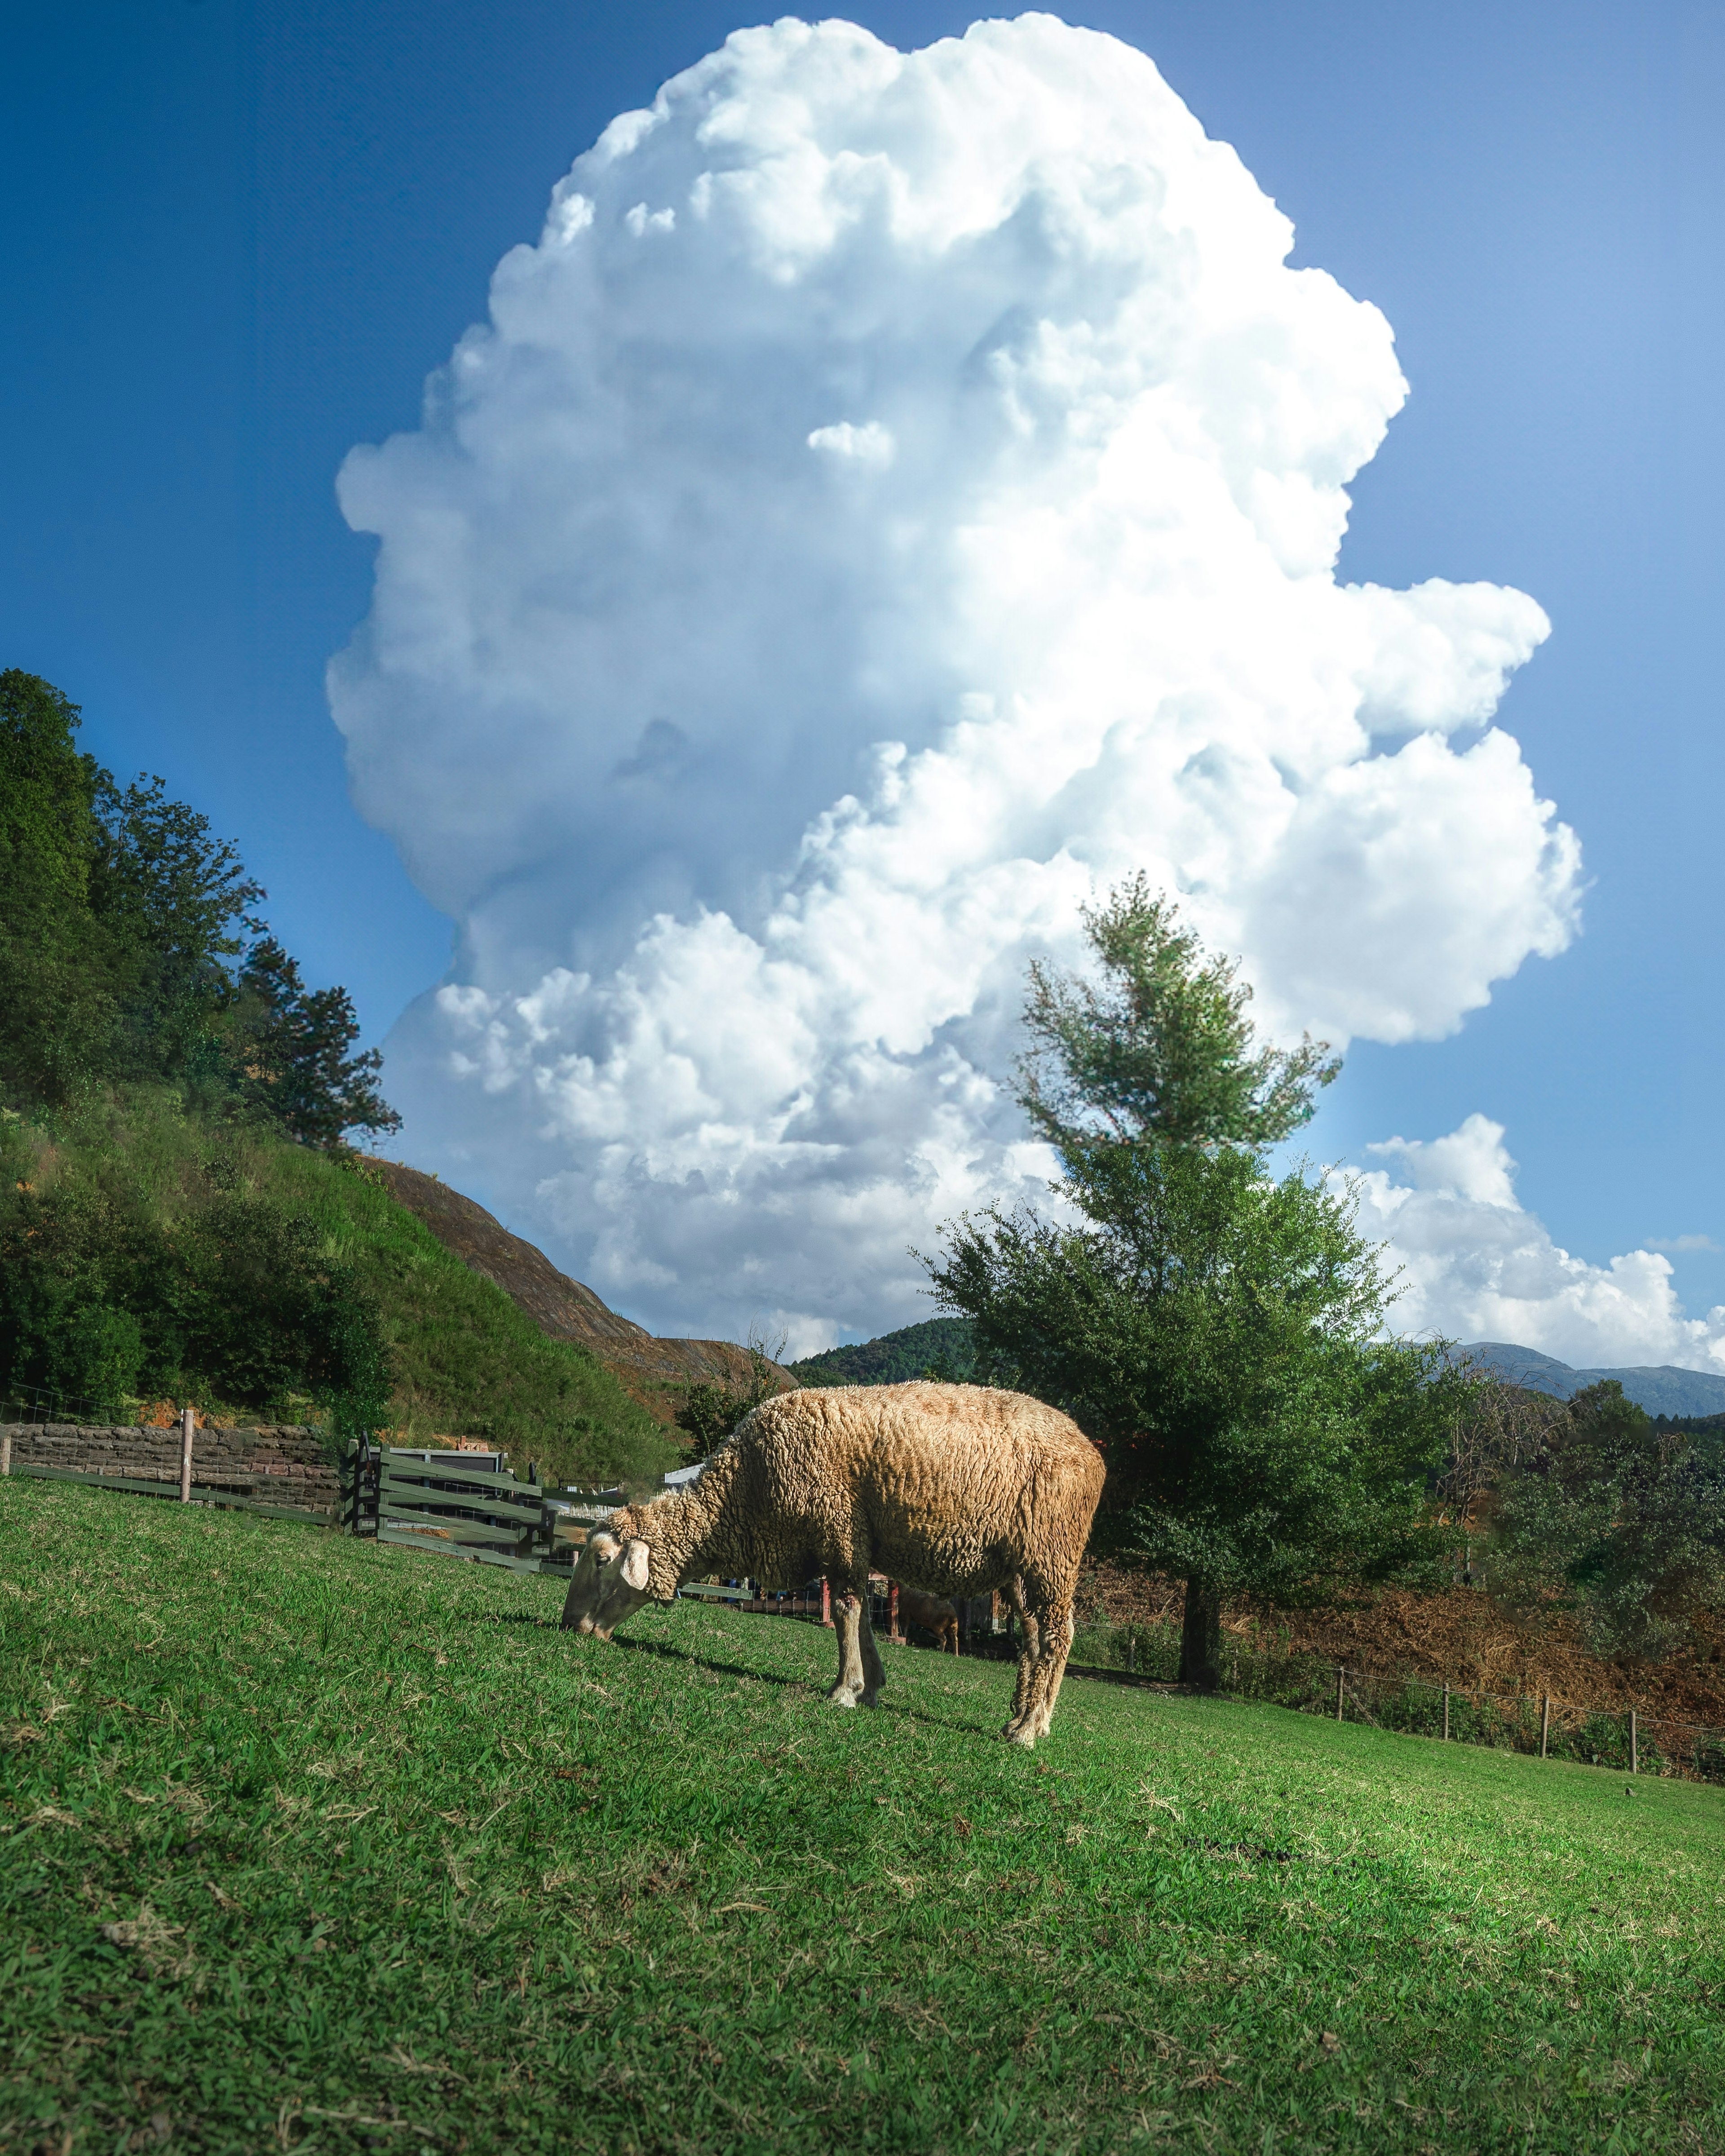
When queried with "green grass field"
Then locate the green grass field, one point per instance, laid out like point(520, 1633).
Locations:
point(308, 1844)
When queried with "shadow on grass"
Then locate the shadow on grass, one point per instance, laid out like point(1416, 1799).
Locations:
point(813, 1686)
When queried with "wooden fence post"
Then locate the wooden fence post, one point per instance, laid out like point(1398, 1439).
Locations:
point(1544, 1721)
point(6, 1453)
point(1131, 1654)
point(1341, 1675)
point(892, 1631)
point(188, 1423)
point(826, 1604)
point(1446, 1714)
point(1634, 1745)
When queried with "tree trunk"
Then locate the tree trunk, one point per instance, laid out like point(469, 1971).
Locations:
point(1201, 1638)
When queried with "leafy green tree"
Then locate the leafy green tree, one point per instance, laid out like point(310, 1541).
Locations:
point(1609, 1513)
point(173, 898)
point(122, 915)
point(57, 985)
point(1159, 1049)
point(1214, 1331)
point(709, 1412)
point(294, 1043)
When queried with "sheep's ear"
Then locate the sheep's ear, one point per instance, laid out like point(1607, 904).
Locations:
point(635, 1557)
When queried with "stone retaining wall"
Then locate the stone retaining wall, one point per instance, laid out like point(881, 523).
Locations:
point(283, 1464)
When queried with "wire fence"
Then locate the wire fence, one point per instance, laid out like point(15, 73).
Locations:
point(46, 1404)
point(1626, 1740)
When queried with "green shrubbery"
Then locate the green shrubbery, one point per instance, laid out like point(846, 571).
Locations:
point(151, 1253)
point(1615, 1516)
point(111, 1290)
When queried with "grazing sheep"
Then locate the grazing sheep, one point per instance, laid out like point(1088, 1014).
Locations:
point(933, 1612)
point(956, 1489)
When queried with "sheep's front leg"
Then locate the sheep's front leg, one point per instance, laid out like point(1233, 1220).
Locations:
point(874, 1674)
point(1045, 1689)
point(848, 1620)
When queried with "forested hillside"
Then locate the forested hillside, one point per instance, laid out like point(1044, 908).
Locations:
point(940, 1346)
point(180, 1216)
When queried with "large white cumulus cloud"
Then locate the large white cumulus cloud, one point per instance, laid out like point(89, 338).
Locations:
point(898, 495)
point(1475, 1266)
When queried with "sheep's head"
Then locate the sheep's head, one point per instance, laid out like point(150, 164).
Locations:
point(610, 1581)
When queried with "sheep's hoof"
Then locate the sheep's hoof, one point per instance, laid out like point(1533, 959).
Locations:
point(836, 1698)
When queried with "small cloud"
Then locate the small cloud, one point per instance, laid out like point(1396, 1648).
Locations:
point(1471, 1163)
point(662, 754)
point(869, 444)
point(640, 220)
point(1675, 1245)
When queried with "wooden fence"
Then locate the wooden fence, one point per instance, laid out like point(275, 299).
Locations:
point(467, 1505)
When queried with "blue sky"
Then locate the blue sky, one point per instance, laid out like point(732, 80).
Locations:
point(237, 239)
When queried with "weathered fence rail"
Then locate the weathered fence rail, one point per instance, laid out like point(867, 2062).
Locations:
point(279, 1470)
point(468, 1505)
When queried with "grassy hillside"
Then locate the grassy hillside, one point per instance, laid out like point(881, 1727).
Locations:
point(314, 1844)
point(940, 1343)
point(466, 1360)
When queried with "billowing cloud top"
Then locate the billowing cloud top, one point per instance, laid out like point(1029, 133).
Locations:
point(898, 495)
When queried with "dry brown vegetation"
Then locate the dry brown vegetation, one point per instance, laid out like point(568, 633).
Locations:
point(1460, 1636)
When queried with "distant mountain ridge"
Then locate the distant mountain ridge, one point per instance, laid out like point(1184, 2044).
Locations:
point(945, 1344)
point(1661, 1389)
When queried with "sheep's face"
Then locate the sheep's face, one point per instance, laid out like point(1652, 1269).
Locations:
point(610, 1581)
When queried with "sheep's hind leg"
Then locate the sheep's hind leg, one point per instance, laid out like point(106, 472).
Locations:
point(874, 1673)
point(847, 1622)
point(1030, 1642)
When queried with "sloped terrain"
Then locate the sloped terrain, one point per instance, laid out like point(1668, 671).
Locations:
point(308, 1844)
point(466, 1359)
point(655, 1371)
point(941, 1343)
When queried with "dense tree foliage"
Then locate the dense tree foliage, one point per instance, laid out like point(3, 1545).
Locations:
point(1607, 1512)
point(129, 951)
point(1216, 1331)
point(57, 983)
point(294, 1041)
point(709, 1413)
point(131, 960)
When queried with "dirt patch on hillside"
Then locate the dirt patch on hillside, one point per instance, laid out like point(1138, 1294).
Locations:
point(653, 1372)
point(1460, 1637)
